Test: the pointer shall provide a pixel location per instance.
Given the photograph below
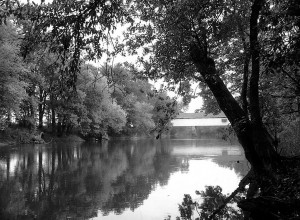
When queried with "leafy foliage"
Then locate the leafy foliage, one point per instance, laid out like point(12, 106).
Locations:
point(71, 28)
point(12, 70)
point(165, 109)
point(213, 198)
point(168, 28)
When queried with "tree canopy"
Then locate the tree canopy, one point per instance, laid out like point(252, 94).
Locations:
point(12, 69)
point(232, 48)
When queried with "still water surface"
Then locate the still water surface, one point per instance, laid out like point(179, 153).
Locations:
point(128, 179)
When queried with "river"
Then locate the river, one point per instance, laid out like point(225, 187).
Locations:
point(118, 179)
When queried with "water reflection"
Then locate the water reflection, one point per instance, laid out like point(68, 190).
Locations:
point(113, 180)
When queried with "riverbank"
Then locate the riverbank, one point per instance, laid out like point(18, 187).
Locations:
point(6, 139)
point(5, 144)
point(12, 136)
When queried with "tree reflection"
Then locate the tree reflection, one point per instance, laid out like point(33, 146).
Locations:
point(76, 181)
point(147, 167)
point(72, 181)
point(212, 198)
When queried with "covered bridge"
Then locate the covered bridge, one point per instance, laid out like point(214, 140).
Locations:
point(200, 119)
point(199, 125)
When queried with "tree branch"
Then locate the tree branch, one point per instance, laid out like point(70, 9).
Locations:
point(292, 78)
point(245, 181)
point(247, 57)
point(254, 49)
point(283, 96)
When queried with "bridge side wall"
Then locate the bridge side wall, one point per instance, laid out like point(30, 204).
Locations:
point(201, 132)
point(202, 122)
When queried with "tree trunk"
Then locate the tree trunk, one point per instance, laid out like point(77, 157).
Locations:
point(53, 114)
point(247, 57)
point(42, 99)
point(254, 138)
point(53, 121)
point(58, 128)
point(263, 142)
point(8, 119)
point(262, 156)
point(254, 79)
point(41, 113)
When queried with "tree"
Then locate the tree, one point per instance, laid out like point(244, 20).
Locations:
point(101, 110)
point(213, 198)
point(72, 29)
point(134, 95)
point(57, 38)
point(165, 109)
point(68, 30)
point(280, 71)
point(191, 40)
point(12, 72)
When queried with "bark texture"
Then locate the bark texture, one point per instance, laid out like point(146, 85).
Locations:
point(253, 136)
point(260, 154)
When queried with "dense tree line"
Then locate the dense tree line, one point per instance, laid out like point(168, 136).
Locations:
point(109, 99)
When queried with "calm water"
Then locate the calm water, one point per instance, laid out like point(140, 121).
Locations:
point(144, 179)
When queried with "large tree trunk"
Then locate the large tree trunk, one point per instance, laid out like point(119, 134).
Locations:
point(245, 71)
point(228, 105)
point(254, 138)
point(257, 145)
point(263, 142)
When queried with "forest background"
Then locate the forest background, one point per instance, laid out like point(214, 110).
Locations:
point(105, 99)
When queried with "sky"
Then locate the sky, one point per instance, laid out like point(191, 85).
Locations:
point(194, 104)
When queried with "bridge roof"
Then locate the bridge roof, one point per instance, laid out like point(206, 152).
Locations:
point(199, 115)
